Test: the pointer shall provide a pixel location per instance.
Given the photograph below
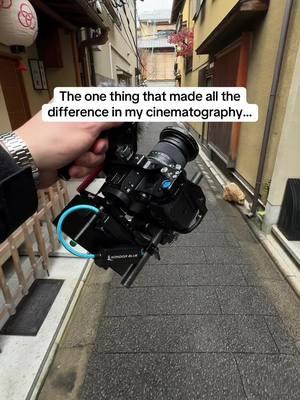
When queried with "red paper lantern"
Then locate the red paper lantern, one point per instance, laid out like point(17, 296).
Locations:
point(18, 23)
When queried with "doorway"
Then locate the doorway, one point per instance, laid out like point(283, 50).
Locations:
point(225, 74)
point(14, 92)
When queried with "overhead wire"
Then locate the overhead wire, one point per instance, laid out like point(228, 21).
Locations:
point(132, 16)
point(128, 22)
point(132, 36)
point(135, 49)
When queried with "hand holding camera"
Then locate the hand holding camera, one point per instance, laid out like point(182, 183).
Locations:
point(146, 201)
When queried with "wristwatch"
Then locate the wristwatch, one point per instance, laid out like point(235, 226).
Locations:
point(20, 153)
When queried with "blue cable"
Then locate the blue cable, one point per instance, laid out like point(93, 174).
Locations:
point(60, 232)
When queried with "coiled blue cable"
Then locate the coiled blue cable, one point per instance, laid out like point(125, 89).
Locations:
point(60, 232)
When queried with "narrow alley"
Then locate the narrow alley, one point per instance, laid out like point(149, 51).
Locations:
point(214, 319)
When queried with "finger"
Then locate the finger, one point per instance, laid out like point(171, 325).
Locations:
point(97, 128)
point(90, 160)
point(100, 146)
point(109, 125)
point(79, 172)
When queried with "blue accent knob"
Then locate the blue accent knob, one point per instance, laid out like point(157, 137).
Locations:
point(166, 184)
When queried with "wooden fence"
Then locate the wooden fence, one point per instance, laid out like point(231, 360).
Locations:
point(35, 239)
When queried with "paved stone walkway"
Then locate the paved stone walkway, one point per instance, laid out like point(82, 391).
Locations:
point(214, 319)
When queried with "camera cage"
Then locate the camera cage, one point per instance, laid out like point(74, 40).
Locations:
point(129, 234)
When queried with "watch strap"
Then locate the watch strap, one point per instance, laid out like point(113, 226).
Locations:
point(7, 164)
point(19, 152)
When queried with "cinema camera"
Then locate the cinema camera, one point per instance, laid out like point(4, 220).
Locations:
point(146, 201)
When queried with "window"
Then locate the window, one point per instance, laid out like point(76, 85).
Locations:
point(179, 23)
point(124, 80)
point(199, 4)
point(189, 64)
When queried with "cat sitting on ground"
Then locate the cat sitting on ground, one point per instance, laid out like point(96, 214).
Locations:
point(233, 194)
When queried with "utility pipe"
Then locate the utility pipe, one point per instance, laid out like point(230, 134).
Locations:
point(272, 100)
point(91, 58)
point(111, 61)
point(136, 42)
point(87, 45)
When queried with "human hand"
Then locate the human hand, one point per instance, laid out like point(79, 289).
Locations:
point(54, 145)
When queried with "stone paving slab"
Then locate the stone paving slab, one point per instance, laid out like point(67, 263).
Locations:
point(222, 209)
point(224, 324)
point(200, 333)
point(188, 275)
point(163, 377)
point(236, 225)
point(210, 224)
point(245, 300)
point(207, 239)
point(270, 377)
point(186, 255)
point(162, 301)
point(255, 273)
point(225, 255)
point(284, 342)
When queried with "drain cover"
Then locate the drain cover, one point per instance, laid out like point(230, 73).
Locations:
point(33, 308)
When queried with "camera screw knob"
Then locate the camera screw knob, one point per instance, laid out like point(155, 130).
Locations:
point(166, 184)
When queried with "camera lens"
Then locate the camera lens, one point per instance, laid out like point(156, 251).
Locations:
point(176, 146)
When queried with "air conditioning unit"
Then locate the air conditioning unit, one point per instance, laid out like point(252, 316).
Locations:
point(98, 7)
point(289, 219)
point(96, 4)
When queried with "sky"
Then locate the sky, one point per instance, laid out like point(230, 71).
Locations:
point(149, 5)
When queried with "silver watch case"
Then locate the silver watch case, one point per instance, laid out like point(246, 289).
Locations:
point(19, 151)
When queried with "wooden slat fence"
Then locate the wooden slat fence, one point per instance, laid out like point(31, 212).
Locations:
point(36, 238)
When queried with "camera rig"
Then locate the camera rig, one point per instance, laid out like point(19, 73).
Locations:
point(146, 201)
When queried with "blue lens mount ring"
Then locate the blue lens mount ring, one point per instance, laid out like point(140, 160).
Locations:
point(60, 231)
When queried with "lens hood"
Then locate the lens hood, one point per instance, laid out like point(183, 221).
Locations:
point(182, 139)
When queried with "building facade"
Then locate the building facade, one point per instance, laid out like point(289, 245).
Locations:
point(57, 47)
point(116, 61)
point(156, 53)
point(79, 43)
point(238, 43)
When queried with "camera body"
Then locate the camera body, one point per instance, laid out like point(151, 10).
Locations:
point(145, 201)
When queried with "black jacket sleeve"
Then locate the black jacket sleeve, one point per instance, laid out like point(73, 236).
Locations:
point(18, 198)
